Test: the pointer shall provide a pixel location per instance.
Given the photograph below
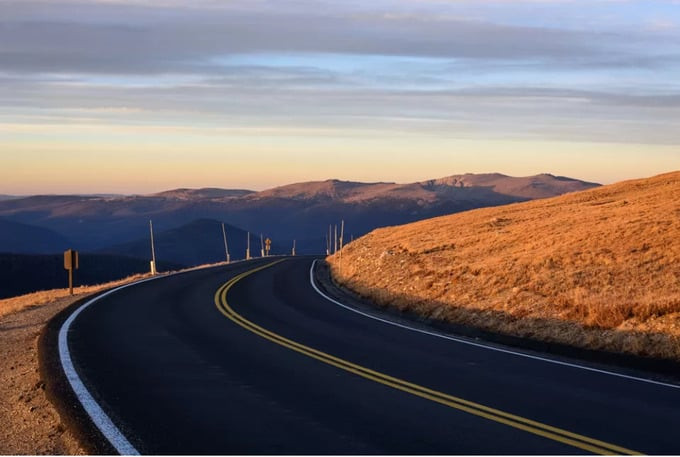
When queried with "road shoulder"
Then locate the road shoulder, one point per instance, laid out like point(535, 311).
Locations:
point(29, 422)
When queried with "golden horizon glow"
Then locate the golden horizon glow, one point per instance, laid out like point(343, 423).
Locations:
point(258, 94)
point(118, 159)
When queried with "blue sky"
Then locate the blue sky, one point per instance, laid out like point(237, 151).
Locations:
point(255, 93)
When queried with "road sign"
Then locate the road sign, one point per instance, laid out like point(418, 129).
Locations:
point(71, 262)
point(267, 246)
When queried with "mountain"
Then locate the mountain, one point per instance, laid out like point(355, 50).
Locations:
point(22, 273)
point(490, 187)
point(27, 239)
point(199, 242)
point(300, 211)
point(596, 269)
point(7, 197)
point(530, 188)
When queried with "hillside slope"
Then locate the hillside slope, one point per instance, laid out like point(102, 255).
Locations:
point(597, 269)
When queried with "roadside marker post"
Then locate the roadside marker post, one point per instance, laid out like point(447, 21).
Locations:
point(153, 251)
point(226, 246)
point(71, 262)
point(293, 253)
point(267, 247)
point(248, 248)
point(342, 233)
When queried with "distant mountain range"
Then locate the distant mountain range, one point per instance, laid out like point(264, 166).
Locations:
point(302, 212)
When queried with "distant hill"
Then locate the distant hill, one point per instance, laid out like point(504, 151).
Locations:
point(22, 273)
point(597, 269)
point(28, 239)
point(196, 243)
point(530, 188)
point(493, 187)
point(300, 211)
point(7, 197)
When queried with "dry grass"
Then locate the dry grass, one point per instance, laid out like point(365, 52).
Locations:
point(597, 269)
point(35, 299)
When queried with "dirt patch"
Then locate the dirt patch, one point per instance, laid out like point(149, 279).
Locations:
point(29, 424)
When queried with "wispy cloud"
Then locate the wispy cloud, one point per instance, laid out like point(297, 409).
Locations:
point(568, 70)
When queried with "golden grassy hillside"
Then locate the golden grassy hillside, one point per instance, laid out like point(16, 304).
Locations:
point(597, 269)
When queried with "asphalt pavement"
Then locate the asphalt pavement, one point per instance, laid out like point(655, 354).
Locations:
point(250, 359)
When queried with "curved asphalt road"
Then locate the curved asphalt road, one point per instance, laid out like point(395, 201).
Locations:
point(198, 364)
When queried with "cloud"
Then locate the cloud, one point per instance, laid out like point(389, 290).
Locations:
point(135, 37)
point(429, 67)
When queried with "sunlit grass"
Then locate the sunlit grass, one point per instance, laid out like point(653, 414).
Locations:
point(598, 269)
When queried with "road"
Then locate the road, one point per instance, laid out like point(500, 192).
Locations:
point(250, 359)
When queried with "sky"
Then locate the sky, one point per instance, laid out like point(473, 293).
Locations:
point(136, 96)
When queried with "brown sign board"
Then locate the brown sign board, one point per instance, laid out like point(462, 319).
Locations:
point(71, 260)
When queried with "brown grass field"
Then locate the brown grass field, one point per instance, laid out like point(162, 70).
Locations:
point(598, 269)
point(36, 299)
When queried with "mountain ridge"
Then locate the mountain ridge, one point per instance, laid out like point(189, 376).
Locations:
point(300, 211)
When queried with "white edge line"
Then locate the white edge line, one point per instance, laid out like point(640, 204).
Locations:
point(100, 419)
point(484, 346)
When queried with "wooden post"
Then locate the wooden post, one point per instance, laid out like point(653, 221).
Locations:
point(71, 262)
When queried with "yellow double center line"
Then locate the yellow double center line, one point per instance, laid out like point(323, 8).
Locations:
point(553, 433)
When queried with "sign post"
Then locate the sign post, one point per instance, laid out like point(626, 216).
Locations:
point(70, 263)
point(267, 247)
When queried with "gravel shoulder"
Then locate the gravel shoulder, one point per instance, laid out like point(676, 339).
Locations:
point(29, 423)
